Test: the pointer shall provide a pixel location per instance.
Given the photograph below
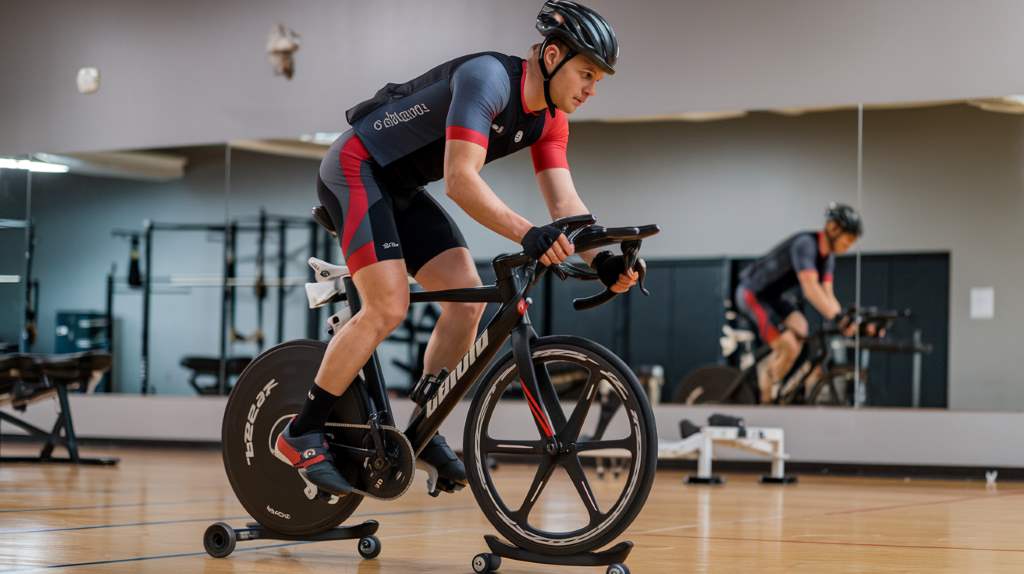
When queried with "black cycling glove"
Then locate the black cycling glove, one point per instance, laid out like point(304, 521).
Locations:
point(608, 267)
point(538, 240)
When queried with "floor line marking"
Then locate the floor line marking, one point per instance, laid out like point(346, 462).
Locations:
point(120, 505)
point(858, 544)
point(265, 547)
point(924, 503)
point(214, 519)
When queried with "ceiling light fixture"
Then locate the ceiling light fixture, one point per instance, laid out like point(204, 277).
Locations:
point(322, 138)
point(28, 165)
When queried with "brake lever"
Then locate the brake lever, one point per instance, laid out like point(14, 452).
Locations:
point(631, 254)
point(641, 270)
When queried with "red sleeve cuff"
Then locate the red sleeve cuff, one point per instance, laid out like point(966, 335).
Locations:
point(466, 134)
point(547, 157)
point(827, 279)
point(549, 163)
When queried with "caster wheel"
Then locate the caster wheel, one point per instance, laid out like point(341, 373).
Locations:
point(617, 569)
point(484, 563)
point(369, 547)
point(219, 540)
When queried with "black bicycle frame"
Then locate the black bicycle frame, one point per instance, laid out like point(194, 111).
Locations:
point(511, 319)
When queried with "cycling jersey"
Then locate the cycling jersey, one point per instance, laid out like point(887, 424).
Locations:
point(476, 98)
point(372, 178)
point(776, 273)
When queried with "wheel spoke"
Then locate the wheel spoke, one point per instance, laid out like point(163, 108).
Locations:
point(627, 443)
point(573, 466)
point(513, 447)
point(571, 431)
point(540, 480)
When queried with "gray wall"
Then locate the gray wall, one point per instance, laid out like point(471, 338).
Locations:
point(195, 72)
point(950, 179)
point(942, 179)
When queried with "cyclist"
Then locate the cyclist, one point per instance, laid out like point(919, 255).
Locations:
point(447, 123)
point(766, 289)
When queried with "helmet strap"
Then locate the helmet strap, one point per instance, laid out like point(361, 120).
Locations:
point(569, 54)
point(832, 239)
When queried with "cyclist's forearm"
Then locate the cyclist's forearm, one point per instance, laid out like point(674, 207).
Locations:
point(816, 296)
point(471, 193)
point(835, 302)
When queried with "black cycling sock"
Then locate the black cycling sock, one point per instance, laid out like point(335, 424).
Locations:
point(315, 411)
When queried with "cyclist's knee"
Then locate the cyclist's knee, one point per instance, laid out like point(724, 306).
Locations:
point(796, 324)
point(789, 344)
point(384, 314)
point(464, 312)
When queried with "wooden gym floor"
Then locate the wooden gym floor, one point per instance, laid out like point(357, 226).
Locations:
point(149, 513)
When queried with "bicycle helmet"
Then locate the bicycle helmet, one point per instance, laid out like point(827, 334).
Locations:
point(583, 30)
point(846, 218)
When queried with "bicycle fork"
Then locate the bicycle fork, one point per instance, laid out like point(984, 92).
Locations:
point(538, 396)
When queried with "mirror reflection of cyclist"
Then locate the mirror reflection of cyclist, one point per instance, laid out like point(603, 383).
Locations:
point(448, 123)
point(765, 293)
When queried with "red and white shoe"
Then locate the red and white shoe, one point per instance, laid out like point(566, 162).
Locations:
point(311, 457)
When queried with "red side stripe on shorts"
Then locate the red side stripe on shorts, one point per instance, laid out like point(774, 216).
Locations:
point(361, 257)
point(351, 157)
point(768, 331)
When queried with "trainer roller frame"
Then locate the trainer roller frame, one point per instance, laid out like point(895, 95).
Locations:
point(220, 538)
point(613, 557)
point(765, 441)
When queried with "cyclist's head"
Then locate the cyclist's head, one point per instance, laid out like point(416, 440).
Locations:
point(569, 30)
point(843, 226)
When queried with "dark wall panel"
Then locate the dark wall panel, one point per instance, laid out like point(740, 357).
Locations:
point(679, 325)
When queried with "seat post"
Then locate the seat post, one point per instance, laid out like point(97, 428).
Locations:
point(351, 294)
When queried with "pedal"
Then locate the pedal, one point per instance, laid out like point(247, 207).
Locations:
point(330, 498)
point(449, 486)
point(445, 485)
point(431, 476)
point(437, 484)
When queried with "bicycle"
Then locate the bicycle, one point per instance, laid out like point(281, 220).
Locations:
point(378, 458)
point(815, 376)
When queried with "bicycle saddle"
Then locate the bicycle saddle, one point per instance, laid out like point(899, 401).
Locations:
point(321, 216)
point(327, 271)
point(328, 282)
